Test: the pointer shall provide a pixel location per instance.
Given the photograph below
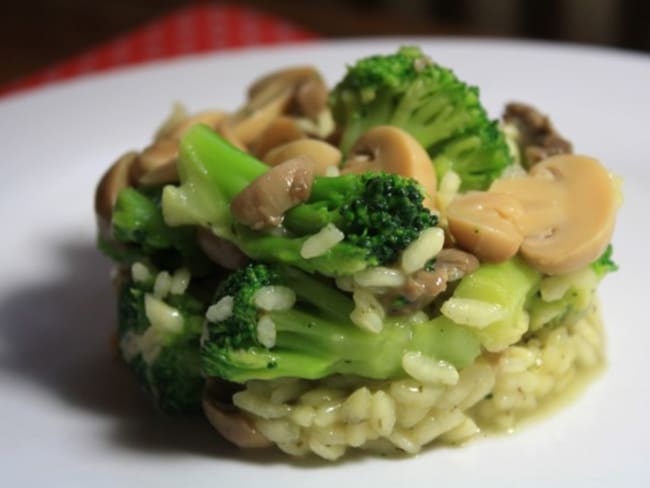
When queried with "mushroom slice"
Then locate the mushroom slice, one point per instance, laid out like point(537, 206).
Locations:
point(486, 224)
point(298, 89)
point(219, 250)
point(311, 98)
point(390, 149)
point(177, 115)
point(233, 425)
point(262, 203)
point(322, 154)
point(280, 131)
point(420, 290)
point(156, 164)
point(570, 208)
point(267, 104)
point(114, 180)
point(226, 130)
point(290, 76)
point(211, 118)
point(538, 137)
point(456, 263)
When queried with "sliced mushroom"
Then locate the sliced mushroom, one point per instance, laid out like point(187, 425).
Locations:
point(570, 208)
point(323, 127)
point(177, 115)
point(233, 425)
point(267, 104)
point(220, 251)
point(456, 263)
point(322, 154)
point(390, 149)
point(538, 138)
point(280, 131)
point(297, 90)
point(486, 224)
point(226, 130)
point(311, 98)
point(211, 118)
point(424, 286)
point(291, 76)
point(262, 204)
point(156, 164)
point(114, 180)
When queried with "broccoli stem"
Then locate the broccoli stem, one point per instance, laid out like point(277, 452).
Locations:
point(313, 347)
point(322, 295)
point(510, 285)
point(212, 172)
point(139, 227)
point(340, 347)
point(230, 168)
point(316, 337)
point(342, 259)
point(322, 208)
point(309, 218)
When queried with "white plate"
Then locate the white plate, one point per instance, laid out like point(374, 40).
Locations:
point(71, 415)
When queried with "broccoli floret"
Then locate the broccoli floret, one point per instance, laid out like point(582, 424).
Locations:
point(379, 214)
point(604, 264)
point(315, 337)
point(444, 114)
point(478, 157)
point(140, 232)
point(160, 341)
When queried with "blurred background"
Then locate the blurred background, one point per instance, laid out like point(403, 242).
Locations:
point(38, 33)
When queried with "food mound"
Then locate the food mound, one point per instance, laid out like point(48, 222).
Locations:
point(376, 266)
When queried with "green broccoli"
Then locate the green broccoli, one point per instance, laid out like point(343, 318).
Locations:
point(140, 232)
point(314, 337)
point(578, 295)
point(605, 264)
point(379, 214)
point(478, 157)
point(160, 341)
point(445, 115)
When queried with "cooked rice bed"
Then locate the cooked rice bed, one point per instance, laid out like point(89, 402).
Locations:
point(328, 416)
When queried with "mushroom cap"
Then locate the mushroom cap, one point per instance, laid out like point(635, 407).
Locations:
point(393, 150)
point(262, 204)
point(485, 224)
point(156, 164)
point(311, 98)
point(322, 154)
point(570, 208)
point(294, 75)
point(280, 131)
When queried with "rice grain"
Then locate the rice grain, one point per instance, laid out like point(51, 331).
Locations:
point(321, 242)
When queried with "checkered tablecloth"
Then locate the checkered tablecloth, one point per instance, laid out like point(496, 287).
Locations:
point(197, 29)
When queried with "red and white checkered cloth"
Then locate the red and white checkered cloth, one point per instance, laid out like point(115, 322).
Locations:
point(197, 29)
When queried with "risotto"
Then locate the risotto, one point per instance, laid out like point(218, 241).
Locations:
point(377, 266)
point(495, 393)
